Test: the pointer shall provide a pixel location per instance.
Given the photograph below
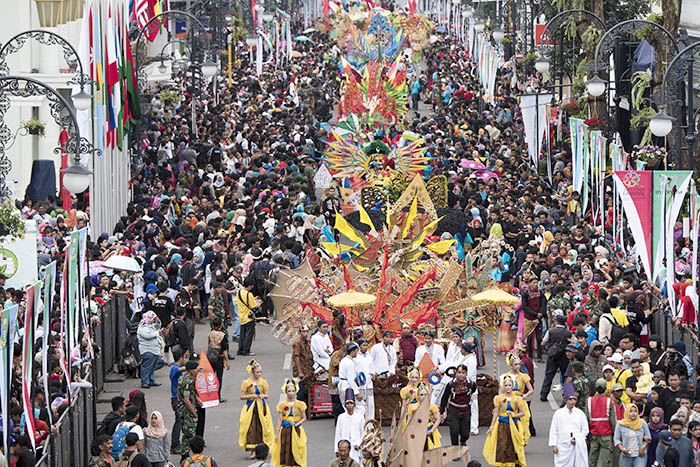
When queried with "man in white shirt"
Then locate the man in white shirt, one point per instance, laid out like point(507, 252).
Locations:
point(321, 348)
point(349, 426)
point(434, 351)
point(455, 357)
point(363, 364)
point(384, 357)
point(471, 363)
point(568, 431)
point(347, 373)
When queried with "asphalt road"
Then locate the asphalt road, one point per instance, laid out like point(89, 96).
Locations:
point(221, 433)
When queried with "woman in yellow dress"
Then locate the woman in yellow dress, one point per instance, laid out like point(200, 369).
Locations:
point(432, 440)
point(410, 391)
point(256, 420)
point(522, 387)
point(290, 445)
point(505, 441)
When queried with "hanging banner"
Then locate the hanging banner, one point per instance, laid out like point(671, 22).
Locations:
point(49, 288)
point(9, 316)
point(27, 359)
point(206, 383)
point(635, 187)
point(73, 319)
point(576, 127)
point(65, 326)
point(20, 273)
point(534, 111)
point(675, 184)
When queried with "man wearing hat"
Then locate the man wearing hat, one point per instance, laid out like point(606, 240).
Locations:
point(347, 374)
point(600, 411)
point(187, 403)
point(556, 339)
point(384, 356)
point(581, 384)
point(616, 396)
point(349, 426)
point(666, 454)
point(363, 368)
point(568, 431)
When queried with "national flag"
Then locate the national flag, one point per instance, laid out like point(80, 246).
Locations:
point(98, 78)
point(132, 84)
point(27, 359)
point(154, 27)
point(112, 54)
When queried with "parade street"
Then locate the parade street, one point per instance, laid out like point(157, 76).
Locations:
point(221, 433)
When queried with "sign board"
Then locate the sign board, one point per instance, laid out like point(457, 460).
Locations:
point(20, 273)
point(206, 383)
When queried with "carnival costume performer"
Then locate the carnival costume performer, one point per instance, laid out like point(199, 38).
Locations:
point(521, 388)
point(505, 441)
point(256, 420)
point(290, 445)
point(432, 440)
point(410, 391)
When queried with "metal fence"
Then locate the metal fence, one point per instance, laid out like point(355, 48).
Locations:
point(662, 326)
point(70, 446)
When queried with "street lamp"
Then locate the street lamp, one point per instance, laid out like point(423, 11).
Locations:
point(468, 13)
point(76, 178)
point(268, 16)
point(81, 100)
point(499, 35)
point(661, 124)
point(479, 26)
point(162, 68)
point(542, 65)
point(251, 40)
point(209, 68)
point(595, 86)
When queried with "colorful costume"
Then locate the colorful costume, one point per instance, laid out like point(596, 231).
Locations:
point(432, 441)
point(256, 421)
point(290, 446)
point(520, 381)
point(505, 445)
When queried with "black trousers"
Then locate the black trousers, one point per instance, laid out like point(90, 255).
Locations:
point(177, 426)
point(245, 340)
point(459, 424)
point(219, 371)
point(201, 419)
point(554, 364)
point(534, 341)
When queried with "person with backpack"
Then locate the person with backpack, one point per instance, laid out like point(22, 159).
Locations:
point(197, 459)
point(129, 426)
point(112, 419)
point(246, 303)
point(175, 333)
point(132, 455)
point(187, 404)
point(217, 352)
point(556, 339)
point(610, 330)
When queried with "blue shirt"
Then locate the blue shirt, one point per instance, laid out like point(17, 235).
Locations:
point(175, 374)
point(415, 88)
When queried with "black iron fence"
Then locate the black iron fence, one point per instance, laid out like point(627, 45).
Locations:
point(70, 445)
point(662, 326)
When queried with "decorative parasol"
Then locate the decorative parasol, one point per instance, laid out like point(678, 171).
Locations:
point(486, 175)
point(302, 39)
point(472, 164)
point(495, 296)
point(351, 298)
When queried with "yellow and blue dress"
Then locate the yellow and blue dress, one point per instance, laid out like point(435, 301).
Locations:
point(256, 421)
point(289, 449)
point(505, 445)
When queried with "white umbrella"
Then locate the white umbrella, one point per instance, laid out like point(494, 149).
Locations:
point(123, 263)
point(309, 30)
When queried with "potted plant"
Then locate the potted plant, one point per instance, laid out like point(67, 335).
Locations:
point(11, 223)
point(168, 97)
point(571, 107)
point(594, 123)
point(35, 127)
point(651, 155)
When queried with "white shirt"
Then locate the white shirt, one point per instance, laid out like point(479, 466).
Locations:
point(321, 349)
point(454, 354)
point(436, 353)
point(470, 361)
point(363, 363)
point(383, 359)
point(349, 427)
point(346, 376)
point(566, 424)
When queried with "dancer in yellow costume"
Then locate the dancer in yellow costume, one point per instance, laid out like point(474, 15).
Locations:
point(505, 441)
point(256, 421)
point(410, 391)
point(290, 445)
point(521, 387)
point(432, 440)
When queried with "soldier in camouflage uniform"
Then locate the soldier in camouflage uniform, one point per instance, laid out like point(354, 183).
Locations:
point(217, 308)
point(104, 459)
point(581, 385)
point(558, 302)
point(187, 403)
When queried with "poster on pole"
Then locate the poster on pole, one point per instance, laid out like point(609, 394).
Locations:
point(19, 273)
point(206, 383)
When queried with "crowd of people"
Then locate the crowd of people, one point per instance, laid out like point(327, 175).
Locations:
point(217, 211)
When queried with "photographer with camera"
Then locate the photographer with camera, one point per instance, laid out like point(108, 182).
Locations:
point(247, 303)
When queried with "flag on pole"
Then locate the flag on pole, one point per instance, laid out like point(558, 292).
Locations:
point(27, 359)
point(6, 345)
point(65, 326)
point(49, 288)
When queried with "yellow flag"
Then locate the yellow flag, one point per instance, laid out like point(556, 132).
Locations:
point(440, 247)
point(342, 226)
point(365, 219)
point(428, 229)
point(335, 248)
point(388, 217)
point(411, 216)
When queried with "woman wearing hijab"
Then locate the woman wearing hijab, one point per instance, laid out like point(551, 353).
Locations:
point(632, 438)
point(656, 424)
point(150, 347)
point(157, 443)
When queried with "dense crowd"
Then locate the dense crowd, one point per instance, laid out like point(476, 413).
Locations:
point(217, 211)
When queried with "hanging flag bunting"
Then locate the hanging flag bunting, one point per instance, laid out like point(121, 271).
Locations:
point(534, 111)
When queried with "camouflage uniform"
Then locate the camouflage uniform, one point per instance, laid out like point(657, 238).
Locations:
point(186, 390)
point(100, 461)
point(582, 390)
point(558, 303)
point(217, 308)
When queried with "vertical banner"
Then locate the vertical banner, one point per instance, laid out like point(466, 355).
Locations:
point(676, 183)
point(82, 295)
point(73, 319)
point(65, 325)
point(576, 128)
point(6, 346)
point(635, 189)
point(27, 359)
point(49, 288)
point(535, 121)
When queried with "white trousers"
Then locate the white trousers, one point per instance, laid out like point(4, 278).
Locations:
point(474, 429)
point(367, 402)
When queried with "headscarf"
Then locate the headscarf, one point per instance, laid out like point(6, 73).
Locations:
point(175, 259)
point(149, 319)
point(573, 253)
point(634, 425)
point(496, 231)
point(657, 426)
point(156, 429)
point(548, 238)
